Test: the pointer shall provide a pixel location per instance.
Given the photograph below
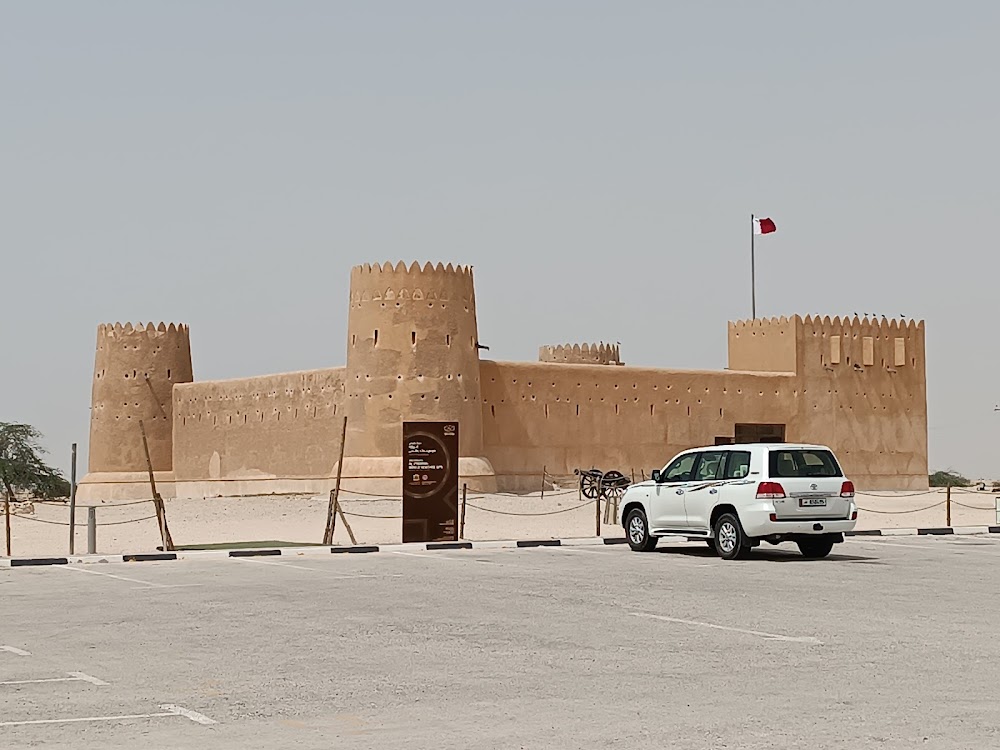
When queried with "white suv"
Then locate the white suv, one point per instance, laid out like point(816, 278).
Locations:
point(735, 496)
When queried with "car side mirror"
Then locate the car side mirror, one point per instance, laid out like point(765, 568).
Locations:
point(655, 476)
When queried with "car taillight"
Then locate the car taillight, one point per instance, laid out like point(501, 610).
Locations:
point(847, 489)
point(854, 516)
point(770, 491)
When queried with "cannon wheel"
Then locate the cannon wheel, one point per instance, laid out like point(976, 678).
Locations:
point(589, 483)
point(613, 486)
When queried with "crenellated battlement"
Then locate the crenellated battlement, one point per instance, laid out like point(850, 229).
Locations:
point(413, 269)
point(117, 330)
point(581, 354)
point(862, 326)
point(397, 283)
point(870, 325)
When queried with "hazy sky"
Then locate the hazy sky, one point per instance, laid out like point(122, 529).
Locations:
point(224, 164)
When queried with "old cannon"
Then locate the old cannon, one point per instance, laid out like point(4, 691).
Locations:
point(608, 485)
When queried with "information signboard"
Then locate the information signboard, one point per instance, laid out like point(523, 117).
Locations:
point(430, 481)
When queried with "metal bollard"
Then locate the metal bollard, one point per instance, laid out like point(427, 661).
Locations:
point(91, 530)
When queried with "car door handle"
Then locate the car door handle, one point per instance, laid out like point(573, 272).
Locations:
point(713, 491)
point(680, 492)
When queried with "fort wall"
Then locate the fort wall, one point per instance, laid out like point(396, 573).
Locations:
point(565, 417)
point(282, 428)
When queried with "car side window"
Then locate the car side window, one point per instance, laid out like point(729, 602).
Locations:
point(738, 465)
point(710, 466)
point(681, 468)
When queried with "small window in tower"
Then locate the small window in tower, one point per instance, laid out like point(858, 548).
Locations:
point(168, 373)
point(447, 339)
point(376, 337)
point(413, 338)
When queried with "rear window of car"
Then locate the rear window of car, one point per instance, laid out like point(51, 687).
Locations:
point(802, 462)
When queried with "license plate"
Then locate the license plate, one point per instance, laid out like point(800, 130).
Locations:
point(812, 502)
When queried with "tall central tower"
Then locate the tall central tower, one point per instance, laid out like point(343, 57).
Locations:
point(412, 354)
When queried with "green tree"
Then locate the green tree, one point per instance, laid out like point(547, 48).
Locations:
point(21, 466)
point(949, 478)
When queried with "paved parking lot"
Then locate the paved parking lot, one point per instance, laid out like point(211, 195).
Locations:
point(890, 643)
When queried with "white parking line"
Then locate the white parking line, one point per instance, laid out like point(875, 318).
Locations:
point(188, 713)
point(13, 650)
point(426, 555)
point(73, 677)
point(759, 633)
point(78, 569)
point(168, 710)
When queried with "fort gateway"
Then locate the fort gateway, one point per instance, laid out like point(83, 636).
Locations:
point(857, 385)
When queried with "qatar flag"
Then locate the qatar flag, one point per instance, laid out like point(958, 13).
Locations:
point(763, 226)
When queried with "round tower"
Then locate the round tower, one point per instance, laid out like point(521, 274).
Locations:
point(134, 373)
point(412, 354)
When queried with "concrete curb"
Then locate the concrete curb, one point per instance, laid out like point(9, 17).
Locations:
point(590, 541)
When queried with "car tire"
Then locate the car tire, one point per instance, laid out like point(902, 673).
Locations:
point(729, 538)
point(637, 532)
point(815, 549)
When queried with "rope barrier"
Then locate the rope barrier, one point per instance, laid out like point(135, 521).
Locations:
point(364, 515)
point(891, 495)
point(119, 523)
point(900, 512)
point(548, 513)
point(970, 507)
point(65, 503)
point(84, 524)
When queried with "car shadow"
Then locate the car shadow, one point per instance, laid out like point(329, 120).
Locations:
point(767, 554)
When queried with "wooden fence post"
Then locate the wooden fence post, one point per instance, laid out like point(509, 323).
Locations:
point(350, 531)
point(947, 505)
point(161, 511)
point(543, 482)
point(335, 493)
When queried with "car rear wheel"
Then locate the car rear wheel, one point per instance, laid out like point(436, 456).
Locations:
point(637, 532)
point(730, 541)
point(816, 548)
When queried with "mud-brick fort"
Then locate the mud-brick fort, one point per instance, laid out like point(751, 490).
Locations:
point(413, 353)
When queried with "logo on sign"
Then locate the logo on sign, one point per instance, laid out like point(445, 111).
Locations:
point(449, 429)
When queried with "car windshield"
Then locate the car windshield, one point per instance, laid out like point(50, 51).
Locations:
point(803, 462)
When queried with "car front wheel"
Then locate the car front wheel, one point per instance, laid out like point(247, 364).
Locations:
point(637, 531)
point(730, 541)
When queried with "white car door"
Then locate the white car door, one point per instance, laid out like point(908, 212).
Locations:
point(666, 496)
point(740, 479)
point(702, 494)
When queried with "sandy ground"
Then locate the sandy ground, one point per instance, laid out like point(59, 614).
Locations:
point(132, 528)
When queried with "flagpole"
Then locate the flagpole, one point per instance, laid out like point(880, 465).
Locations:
point(753, 274)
